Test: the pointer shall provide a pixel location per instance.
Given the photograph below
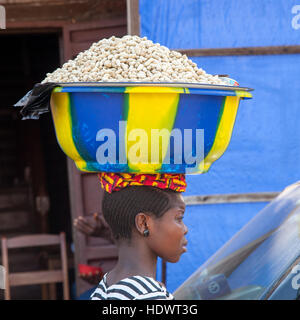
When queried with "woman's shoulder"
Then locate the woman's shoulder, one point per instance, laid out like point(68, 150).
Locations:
point(136, 287)
point(100, 292)
point(140, 287)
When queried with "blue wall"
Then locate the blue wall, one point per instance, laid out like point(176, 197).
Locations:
point(219, 24)
point(264, 152)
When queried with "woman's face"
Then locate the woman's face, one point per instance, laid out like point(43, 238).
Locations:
point(167, 233)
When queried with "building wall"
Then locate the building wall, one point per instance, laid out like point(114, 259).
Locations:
point(264, 151)
point(56, 10)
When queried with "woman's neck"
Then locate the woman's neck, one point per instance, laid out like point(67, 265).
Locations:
point(134, 258)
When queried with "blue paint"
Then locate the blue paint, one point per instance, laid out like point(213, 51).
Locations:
point(87, 133)
point(219, 24)
point(207, 119)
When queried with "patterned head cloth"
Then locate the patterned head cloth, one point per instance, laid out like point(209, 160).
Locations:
point(116, 181)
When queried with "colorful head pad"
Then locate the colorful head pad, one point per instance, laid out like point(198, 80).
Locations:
point(111, 182)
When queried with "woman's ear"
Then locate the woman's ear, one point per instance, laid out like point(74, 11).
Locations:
point(142, 222)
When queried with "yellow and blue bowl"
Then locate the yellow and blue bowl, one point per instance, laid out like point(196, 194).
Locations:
point(107, 127)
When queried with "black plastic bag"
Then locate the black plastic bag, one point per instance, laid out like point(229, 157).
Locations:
point(36, 101)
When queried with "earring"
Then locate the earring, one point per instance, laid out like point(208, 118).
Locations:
point(146, 233)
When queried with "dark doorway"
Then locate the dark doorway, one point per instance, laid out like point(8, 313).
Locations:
point(25, 60)
point(30, 145)
point(31, 161)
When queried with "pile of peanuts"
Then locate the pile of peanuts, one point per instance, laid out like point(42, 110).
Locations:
point(131, 59)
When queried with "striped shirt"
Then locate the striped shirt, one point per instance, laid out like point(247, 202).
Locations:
point(131, 288)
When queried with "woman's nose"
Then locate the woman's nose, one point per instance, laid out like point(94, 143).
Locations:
point(185, 230)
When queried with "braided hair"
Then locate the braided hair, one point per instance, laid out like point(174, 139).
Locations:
point(121, 207)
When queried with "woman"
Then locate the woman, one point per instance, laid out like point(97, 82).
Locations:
point(146, 222)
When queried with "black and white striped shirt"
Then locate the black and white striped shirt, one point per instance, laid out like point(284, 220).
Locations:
point(131, 288)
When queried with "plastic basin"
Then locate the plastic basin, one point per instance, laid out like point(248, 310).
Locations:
point(143, 127)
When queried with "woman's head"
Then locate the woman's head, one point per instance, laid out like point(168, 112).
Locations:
point(135, 209)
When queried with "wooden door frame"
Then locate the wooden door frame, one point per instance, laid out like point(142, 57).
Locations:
point(133, 17)
point(67, 28)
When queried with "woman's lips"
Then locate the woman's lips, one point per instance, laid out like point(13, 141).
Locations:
point(184, 246)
